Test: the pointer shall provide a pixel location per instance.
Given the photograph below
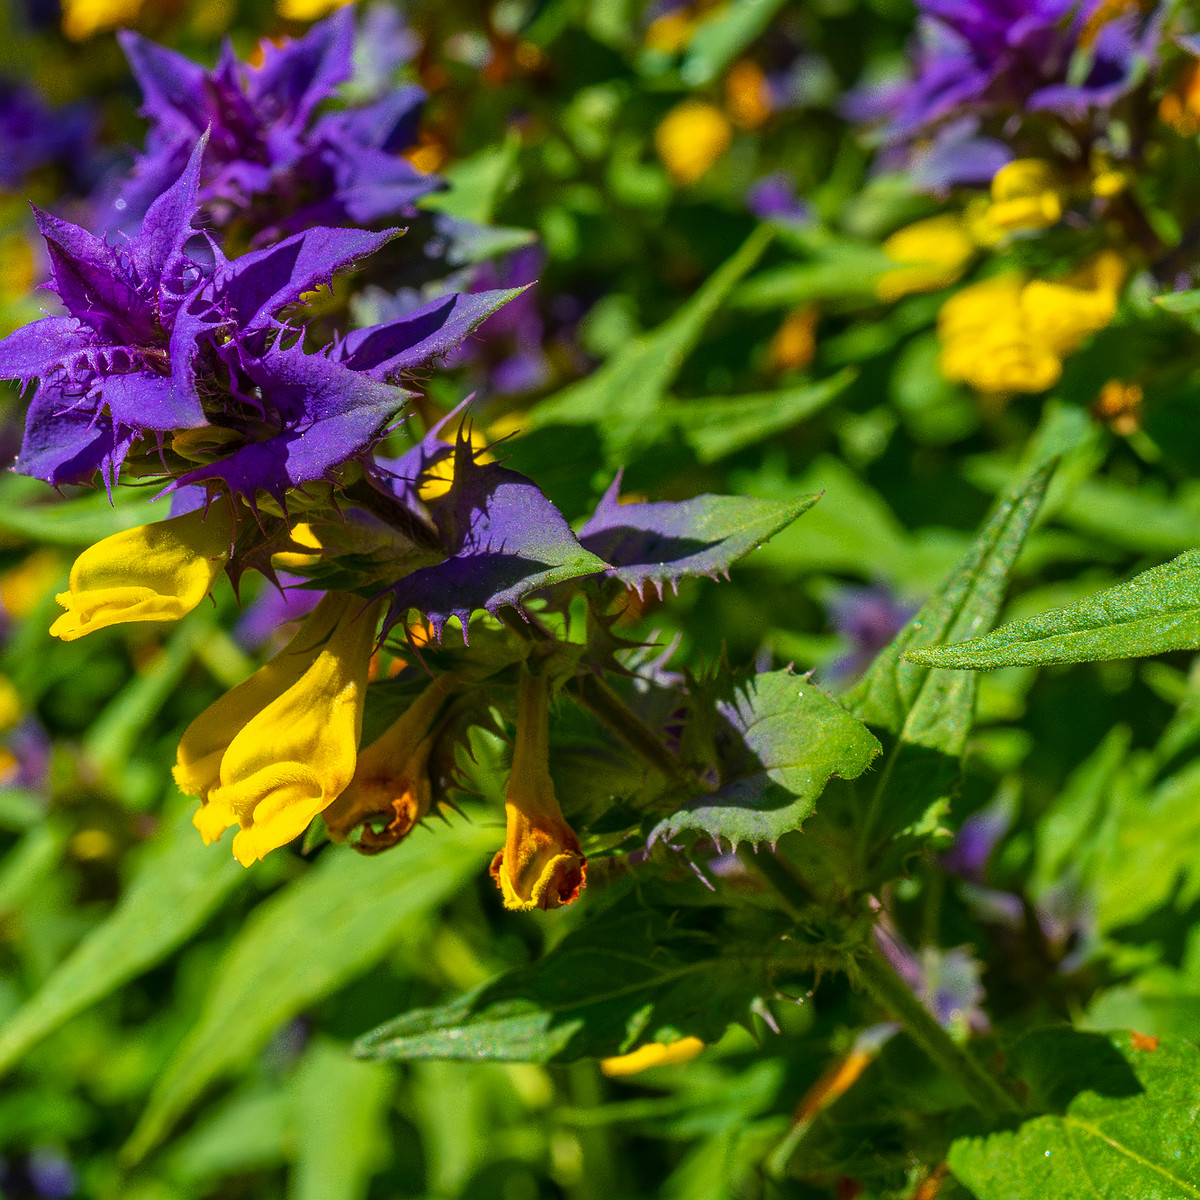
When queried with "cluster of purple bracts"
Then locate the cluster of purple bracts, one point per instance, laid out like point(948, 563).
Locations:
point(980, 59)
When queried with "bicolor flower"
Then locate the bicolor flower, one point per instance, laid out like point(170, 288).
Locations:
point(156, 572)
point(541, 864)
point(274, 162)
point(391, 791)
point(279, 748)
point(979, 58)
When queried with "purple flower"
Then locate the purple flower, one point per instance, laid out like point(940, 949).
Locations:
point(1003, 58)
point(33, 135)
point(274, 163)
point(274, 606)
point(159, 341)
point(868, 618)
point(774, 198)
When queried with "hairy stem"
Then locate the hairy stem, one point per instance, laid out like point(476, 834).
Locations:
point(892, 993)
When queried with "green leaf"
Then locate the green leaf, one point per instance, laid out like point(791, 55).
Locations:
point(73, 522)
point(301, 945)
point(641, 972)
point(478, 183)
point(622, 397)
point(1113, 1146)
point(795, 739)
point(341, 1127)
point(719, 425)
point(903, 696)
point(723, 37)
point(1156, 611)
point(176, 889)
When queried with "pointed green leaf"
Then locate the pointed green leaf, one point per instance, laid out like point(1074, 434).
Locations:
point(795, 739)
point(636, 974)
point(623, 396)
point(1156, 611)
point(1108, 1144)
point(177, 888)
point(928, 708)
point(302, 944)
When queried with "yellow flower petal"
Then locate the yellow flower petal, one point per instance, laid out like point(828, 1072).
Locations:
point(156, 572)
point(279, 748)
point(656, 1054)
point(691, 138)
point(934, 253)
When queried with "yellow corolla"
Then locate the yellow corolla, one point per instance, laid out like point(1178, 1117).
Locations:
point(1006, 334)
point(654, 1054)
point(156, 572)
point(691, 138)
point(1025, 195)
point(82, 19)
point(541, 865)
point(282, 746)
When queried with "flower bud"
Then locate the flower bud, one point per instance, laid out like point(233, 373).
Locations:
point(541, 865)
point(156, 572)
point(391, 782)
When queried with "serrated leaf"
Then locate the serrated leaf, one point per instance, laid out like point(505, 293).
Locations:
point(299, 946)
point(795, 739)
point(1156, 611)
point(666, 541)
point(178, 886)
point(1114, 1147)
point(622, 397)
point(633, 975)
point(929, 708)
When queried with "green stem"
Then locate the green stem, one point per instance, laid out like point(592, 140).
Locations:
point(594, 694)
point(791, 890)
point(892, 993)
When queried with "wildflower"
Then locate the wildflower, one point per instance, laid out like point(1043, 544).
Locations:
point(795, 342)
point(998, 58)
point(156, 572)
point(1025, 196)
point(1119, 406)
point(279, 748)
point(774, 198)
point(541, 864)
point(273, 163)
point(34, 135)
point(82, 19)
point(748, 96)
point(306, 10)
point(1180, 107)
point(691, 138)
point(1007, 335)
point(653, 1054)
point(934, 254)
point(391, 782)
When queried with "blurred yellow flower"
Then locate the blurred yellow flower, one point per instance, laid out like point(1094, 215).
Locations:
point(691, 138)
point(282, 746)
point(934, 254)
point(17, 266)
point(541, 864)
point(795, 342)
point(306, 10)
point(655, 1054)
point(156, 572)
point(1005, 334)
point(1119, 406)
point(1180, 107)
point(671, 32)
point(82, 19)
point(1025, 195)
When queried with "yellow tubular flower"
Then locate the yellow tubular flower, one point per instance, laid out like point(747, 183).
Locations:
point(306, 10)
point(690, 139)
point(934, 253)
point(656, 1054)
point(392, 778)
point(541, 865)
point(281, 747)
point(155, 572)
point(1025, 195)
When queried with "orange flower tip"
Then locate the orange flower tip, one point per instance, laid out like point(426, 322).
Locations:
point(543, 879)
point(1143, 1041)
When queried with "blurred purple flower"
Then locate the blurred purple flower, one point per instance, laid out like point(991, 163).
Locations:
point(34, 135)
point(774, 198)
point(30, 745)
point(868, 618)
point(43, 1174)
point(273, 607)
point(947, 982)
point(976, 840)
point(1004, 58)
